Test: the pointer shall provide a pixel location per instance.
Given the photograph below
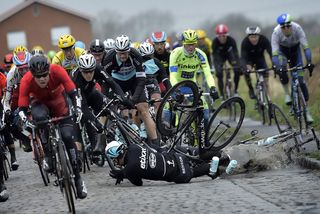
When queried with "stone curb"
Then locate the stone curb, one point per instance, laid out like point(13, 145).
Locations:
point(309, 163)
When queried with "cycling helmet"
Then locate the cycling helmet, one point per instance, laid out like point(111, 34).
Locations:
point(8, 58)
point(146, 49)
point(222, 29)
point(122, 43)
point(80, 44)
point(114, 149)
point(253, 30)
point(189, 37)
point(21, 58)
point(108, 44)
point(37, 47)
point(159, 36)
point(51, 54)
point(201, 34)
point(135, 45)
point(96, 46)
point(87, 61)
point(19, 48)
point(37, 52)
point(284, 18)
point(39, 65)
point(66, 41)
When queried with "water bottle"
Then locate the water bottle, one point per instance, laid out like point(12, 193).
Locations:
point(231, 167)
point(214, 165)
point(143, 132)
point(266, 142)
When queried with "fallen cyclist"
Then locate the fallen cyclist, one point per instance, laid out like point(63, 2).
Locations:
point(139, 162)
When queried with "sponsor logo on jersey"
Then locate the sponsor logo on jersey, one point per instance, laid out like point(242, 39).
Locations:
point(143, 158)
point(152, 160)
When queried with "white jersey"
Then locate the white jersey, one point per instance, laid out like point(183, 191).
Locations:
point(279, 39)
point(13, 81)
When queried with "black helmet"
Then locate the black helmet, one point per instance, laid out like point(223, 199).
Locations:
point(96, 46)
point(39, 65)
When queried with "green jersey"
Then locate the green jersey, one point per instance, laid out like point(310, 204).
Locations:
point(184, 67)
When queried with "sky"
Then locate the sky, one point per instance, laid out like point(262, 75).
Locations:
point(191, 13)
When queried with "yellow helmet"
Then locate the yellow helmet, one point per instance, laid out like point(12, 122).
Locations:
point(19, 48)
point(189, 37)
point(66, 41)
point(201, 34)
point(135, 45)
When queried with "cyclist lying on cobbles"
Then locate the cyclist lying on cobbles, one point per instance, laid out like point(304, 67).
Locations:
point(143, 162)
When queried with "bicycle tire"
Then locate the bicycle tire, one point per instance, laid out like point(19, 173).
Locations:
point(213, 133)
point(170, 108)
point(66, 176)
point(281, 120)
point(5, 163)
point(303, 124)
point(37, 156)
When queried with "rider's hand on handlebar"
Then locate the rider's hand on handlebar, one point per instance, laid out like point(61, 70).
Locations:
point(310, 67)
point(214, 93)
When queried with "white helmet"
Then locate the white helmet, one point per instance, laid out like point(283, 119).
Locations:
point(114, 149)
point(146, 48)
point(122, 43)
point(253, 30)
point(87, 61)
point(108, 44)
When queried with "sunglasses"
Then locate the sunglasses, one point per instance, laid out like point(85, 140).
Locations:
point(87, 71)
point(41, 75)
point(285, 26)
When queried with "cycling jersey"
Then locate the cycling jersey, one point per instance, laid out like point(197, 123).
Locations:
point(12, 89)
point(252, 54)
point(3, 80)
point(53, 95)
point(206, 48)
point(129, 75)
point(290, 45)
point(67, 64)
point(184, 67)
point(164, 59)
point(147, 163)
point(223, 50)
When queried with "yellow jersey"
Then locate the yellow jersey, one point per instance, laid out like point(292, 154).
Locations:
point(68, 64)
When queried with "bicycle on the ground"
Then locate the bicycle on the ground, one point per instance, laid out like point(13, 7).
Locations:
point(263, 100)
point(183, 101)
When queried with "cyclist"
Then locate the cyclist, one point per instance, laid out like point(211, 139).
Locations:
point(97, 49)
point(80, 44)
point(286, 39)
point(69, 54)
point(10, 104)
point(85, 78)
point(48, 86)
point(7, 62)
point(108, 44)
point(224, 49)
point(253, 47)
point(124, 64)
point(205, 44)
point(155, 72)
point(141, 162)
point(185, 61)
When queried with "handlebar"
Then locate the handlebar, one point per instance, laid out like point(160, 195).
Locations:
point(52, 120)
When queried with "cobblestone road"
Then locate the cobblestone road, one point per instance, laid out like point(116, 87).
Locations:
point(289, 190)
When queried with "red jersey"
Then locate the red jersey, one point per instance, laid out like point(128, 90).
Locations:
point(3, 81)
point(53, 95)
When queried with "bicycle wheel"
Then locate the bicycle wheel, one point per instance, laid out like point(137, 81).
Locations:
point(221, 130)
point(38, 156)
point(5, 167)
point(66, 177)
point(229, 93)
point(281, 119)
point(176, 106)
point(302, 112)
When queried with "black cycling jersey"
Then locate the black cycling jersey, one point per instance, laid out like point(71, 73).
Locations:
point(164, 59)
point(147, 163)
point(253, 54)
point(223, 50)
point(128, 72)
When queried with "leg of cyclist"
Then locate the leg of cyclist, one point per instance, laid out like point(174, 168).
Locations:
point(218, 66)
point(70, 137)
point(12, 150)
point(284, 79)
point(3, 190)
point(247, 77)
point(40, 112)
point(235, 62)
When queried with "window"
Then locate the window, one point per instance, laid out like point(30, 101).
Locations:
point(56, 32)
point(16, 38)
